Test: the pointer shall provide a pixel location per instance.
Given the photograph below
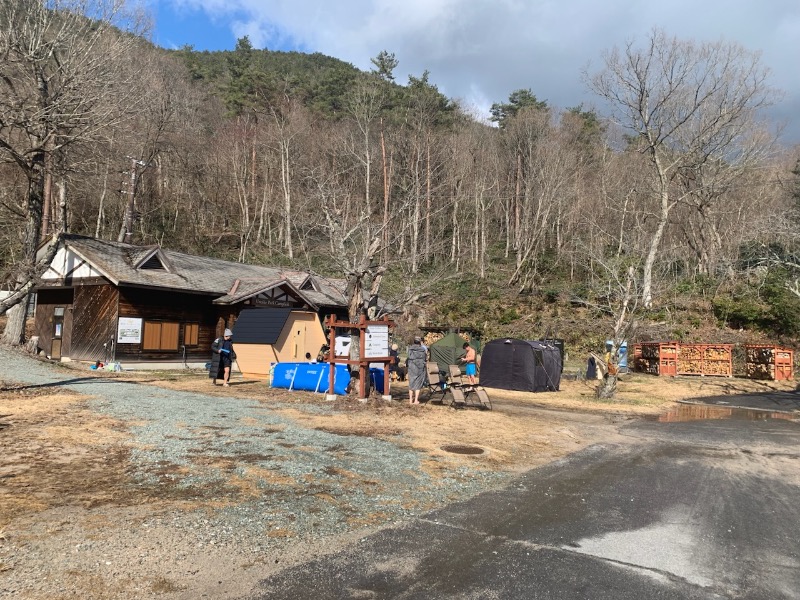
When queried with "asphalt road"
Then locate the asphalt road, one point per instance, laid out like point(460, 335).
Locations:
point(703, 509)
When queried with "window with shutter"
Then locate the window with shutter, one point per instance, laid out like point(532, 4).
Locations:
point(191, 333)
point(160, 336)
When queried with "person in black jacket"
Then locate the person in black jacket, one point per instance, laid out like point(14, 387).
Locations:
point(222, 357)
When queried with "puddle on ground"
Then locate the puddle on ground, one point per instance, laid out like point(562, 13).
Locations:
point(695, 412)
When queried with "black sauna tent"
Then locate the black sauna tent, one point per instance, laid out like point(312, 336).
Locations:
point(511, 364)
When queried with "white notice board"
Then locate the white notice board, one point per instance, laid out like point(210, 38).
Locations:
point(376, 341)
point(129, 330)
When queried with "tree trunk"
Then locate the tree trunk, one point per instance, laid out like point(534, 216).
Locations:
point(385, 231)
point(607, 389)
point(287, 195)
point(427, 198)
point(652, 253)
point(14, 333)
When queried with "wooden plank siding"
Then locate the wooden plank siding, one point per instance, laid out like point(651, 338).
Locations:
point(46, 302)
point(194, 316)
point(94, 322)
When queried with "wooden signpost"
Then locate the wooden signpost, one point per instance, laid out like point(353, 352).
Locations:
point(373, 347)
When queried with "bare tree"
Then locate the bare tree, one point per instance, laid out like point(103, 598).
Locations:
point(365, 104)
point(617, 294)
point(686, 105)
point(63, 78)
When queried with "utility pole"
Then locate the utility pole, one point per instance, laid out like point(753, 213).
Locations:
point(126, 231)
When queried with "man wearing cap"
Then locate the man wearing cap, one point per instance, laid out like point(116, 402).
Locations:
point(222, 358)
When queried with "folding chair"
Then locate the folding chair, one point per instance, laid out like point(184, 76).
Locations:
point(459, 399)
point(483, 397)
point(436, 383)
point(455, 375)
point(464, 393)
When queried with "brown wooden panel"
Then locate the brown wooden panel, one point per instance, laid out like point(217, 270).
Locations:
point(169, 336)
point(43, 326)
point(46, 302)
point(190, 332)
point(151, 338)
point(94, 322)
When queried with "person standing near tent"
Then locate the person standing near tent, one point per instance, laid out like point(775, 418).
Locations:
point(470, 359)
point(222, 358)
point(417, 356)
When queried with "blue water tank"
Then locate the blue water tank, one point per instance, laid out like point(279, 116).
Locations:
point(623, 353)
point(376, 375)
point(312, 377)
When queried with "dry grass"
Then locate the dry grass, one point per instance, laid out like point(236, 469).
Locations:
point(61, 452)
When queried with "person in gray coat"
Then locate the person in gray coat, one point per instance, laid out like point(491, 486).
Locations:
point(417, 357)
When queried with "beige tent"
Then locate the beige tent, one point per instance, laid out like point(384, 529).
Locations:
point(263, 336)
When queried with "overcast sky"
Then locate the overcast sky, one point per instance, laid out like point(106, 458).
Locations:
point(479, 51)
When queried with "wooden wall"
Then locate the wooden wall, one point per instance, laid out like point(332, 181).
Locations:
point(94, 322)
point(92, 313)
point(46, 302)
point(171, 307)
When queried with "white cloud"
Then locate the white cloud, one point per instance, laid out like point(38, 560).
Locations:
point(482, 50)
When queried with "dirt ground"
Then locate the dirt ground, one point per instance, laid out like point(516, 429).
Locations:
point(55, 427)
point(59, 458)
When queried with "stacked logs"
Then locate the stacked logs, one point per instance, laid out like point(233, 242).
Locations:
point(656, 358)
point(769, 362)
point(432, 337)
point(674, 358)
point(690, 360)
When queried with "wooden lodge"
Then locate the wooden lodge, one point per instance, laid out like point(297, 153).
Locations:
point(109, 301)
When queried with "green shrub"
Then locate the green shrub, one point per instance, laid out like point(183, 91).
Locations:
point(509, 315)
point(743, 312)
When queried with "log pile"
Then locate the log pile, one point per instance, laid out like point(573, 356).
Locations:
point(769, 362)
point(432, 337)
point(715, 360)
point(690, 360)
point(656, 358)
point(706, 359)
point(673, 358)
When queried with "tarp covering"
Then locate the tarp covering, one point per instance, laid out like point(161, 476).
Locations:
point(449, 349)
point(260, 325)
point(521, 365)
point(313, 377)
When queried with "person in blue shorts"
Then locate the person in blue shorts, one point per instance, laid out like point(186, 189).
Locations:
point(469, 359)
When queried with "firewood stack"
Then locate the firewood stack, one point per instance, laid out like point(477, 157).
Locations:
point(769, 362)
point(690, 360)
point(717, 360)
point(655, 358)
point(432, 337)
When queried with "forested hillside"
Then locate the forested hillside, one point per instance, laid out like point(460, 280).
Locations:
point(674, 212)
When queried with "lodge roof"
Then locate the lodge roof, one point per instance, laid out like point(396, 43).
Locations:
point(230, 282)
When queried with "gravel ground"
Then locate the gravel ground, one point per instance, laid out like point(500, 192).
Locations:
point(223, 491)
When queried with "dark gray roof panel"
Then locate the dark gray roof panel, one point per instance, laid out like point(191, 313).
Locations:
point(199, 274)
point(260, 325)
